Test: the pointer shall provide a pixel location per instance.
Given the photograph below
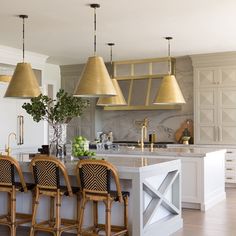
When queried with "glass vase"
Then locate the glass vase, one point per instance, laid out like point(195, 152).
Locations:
point(57, 139)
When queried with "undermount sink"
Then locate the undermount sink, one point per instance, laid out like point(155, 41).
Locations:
point(135, 144)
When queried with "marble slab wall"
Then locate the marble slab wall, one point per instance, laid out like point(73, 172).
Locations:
point(163, 122)
point(123, 123)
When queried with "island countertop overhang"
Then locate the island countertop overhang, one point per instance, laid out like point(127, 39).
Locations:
point(123, 164)
point(175, 152)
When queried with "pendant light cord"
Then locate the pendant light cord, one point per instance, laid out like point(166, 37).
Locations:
point(23, 17)
point(95, 32)
point(23, 38)
point(111, 55)
point(169, 61)
point(169, 58)
point(111, 52)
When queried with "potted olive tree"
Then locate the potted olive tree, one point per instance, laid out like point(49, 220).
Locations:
point(58, 113)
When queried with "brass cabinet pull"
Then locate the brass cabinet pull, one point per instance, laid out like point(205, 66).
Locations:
point(229, 168)
point(229, 152)
point(229, 160)
point(229, 178)
point(20, 130)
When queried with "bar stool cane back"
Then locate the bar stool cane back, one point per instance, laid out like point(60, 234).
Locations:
point(94, 177)
point(46, 171)
point(9, 169)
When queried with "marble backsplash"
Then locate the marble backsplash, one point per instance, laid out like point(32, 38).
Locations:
point(164, 123)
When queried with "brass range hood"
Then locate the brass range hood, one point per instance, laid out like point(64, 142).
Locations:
point(95, 80)
point(117, 100)
point(23, 83)
point(5, 78)
point(169, 92)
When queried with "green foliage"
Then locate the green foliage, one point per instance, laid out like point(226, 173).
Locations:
point(80, 147)
point(59, 110)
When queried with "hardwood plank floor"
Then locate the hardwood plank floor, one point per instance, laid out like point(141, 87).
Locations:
point(218, 221)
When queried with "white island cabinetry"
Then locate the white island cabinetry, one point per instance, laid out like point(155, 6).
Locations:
point(203, 173)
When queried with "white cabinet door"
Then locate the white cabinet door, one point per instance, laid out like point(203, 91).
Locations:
point(206, 115)
point(206, 77)
point(227, 76)
point(215, 105)
point(227, 115)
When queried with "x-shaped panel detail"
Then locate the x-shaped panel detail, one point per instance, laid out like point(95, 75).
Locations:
point(158, 197)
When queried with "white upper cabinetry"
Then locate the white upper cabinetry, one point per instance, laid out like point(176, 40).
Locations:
point(215, 98)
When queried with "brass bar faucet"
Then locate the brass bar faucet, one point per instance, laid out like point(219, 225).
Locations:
point(143, 133)
point(8, 149)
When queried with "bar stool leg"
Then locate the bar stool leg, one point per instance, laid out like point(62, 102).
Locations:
point(35, 208)
point(95, 215)
point(78, 211)
point(81, 215)
point(52, 209)
point(13, 212)
point(9, 205)
point(108, 217)
point(58, 208)
point(126, 215)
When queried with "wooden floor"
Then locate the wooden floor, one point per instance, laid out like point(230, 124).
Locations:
point(218, 221)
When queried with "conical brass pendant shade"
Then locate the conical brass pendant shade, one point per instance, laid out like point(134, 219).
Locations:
point(117, 100)
point(23, 83)
point(95, 80)
point(5, 78)
point(169, 92)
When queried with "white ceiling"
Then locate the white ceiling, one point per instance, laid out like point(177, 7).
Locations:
point(63, 29)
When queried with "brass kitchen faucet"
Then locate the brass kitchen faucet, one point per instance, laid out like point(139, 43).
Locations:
point(8, 149)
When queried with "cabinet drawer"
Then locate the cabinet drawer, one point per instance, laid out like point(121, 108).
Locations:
point(230, 180)
point(230, 152)
point(230, 166)
point(230, 176)
point(230, 160)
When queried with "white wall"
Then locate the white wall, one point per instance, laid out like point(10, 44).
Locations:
point(51, 75)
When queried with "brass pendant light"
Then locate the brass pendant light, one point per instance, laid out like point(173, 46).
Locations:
point(169, 92)
point(117, 100)
point(23, 83)
point(95, 80)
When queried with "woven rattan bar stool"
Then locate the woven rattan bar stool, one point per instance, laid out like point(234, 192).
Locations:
point(94, 177)
point(47, 173)
point(9, 169)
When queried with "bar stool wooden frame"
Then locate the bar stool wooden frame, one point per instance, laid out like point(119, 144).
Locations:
point(94, 177)
point(46, 171)
point(12, 219)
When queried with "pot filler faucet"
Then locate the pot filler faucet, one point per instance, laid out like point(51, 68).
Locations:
point(8, 149)
point(143, 132)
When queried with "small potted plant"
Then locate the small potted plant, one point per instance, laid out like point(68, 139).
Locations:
point(80, 148)
point(58, 113)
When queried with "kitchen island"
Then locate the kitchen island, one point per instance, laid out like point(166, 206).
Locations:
point(203, 171)
point(155, 194)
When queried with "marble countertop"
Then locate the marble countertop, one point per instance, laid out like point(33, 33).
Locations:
point(123, 164)
point(175, 152)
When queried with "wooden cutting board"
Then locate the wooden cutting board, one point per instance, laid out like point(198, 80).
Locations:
point(186, 124)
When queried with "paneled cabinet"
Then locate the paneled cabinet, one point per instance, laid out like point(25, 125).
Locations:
point(215, 105)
